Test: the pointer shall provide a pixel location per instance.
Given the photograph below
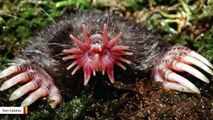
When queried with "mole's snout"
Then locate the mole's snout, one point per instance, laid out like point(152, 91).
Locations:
point(97, 54)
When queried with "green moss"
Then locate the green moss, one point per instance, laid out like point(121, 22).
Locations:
point(18, 21)
point(78, 4)
point(75, 108)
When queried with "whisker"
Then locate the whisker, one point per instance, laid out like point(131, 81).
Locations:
point(60, 54)
point(44, 11)
point(49, 44)
point(58, 44)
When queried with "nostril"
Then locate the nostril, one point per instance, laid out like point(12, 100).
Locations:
point(96, 48)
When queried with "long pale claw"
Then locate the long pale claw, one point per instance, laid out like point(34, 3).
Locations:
point(176, 86)
point(36, 80)
point(169, 84)
point(201, 58)
point(22, 77)
point(55, 100)
point(40, 93)
point(8, 71)
point(30, 86)
point(171, 76)
point(184, 67)
point(179, 59)
point(54, 97)
point(191, 60)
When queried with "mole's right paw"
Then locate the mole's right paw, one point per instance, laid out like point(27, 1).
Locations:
point(37, 80)
point(181, 59)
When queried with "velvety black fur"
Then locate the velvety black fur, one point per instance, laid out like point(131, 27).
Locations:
point(46, 48)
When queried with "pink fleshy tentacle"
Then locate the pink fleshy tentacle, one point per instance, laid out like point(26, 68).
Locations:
point(71, 57)
point(114, 40)
point(86, 36)
point(73, 51)
point(120, 65)
point(119, 58)
point(119, 48)
point(87, 74)
point(105, 38)
point(80, 44)
point(76, 69)
point(78, 63)
point(110, 72)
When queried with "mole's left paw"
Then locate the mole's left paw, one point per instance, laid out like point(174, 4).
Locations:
point(179, 59)
point(38, 82)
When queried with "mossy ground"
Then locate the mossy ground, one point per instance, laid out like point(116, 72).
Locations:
point(186, 22)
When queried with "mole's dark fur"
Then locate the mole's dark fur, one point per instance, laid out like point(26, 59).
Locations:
point(46, 48)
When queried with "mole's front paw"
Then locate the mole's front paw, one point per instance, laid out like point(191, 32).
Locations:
point(38, 82)
point(179, 59)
